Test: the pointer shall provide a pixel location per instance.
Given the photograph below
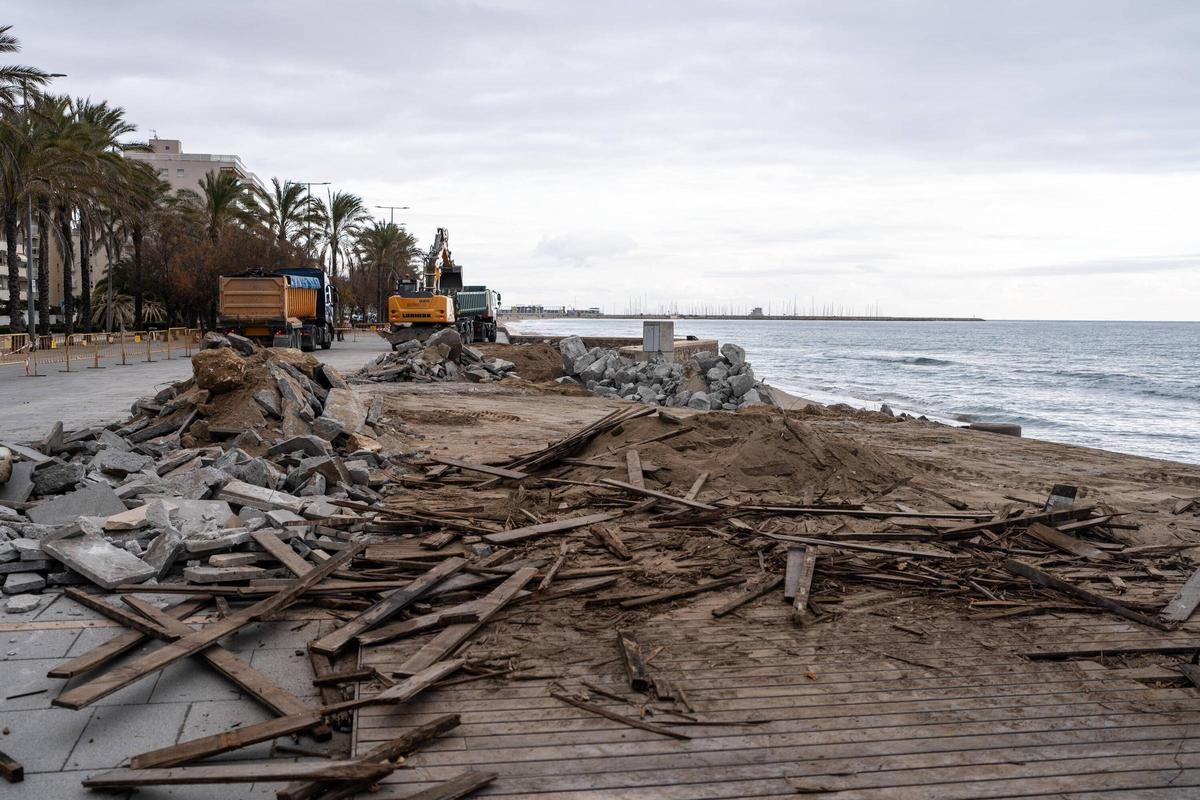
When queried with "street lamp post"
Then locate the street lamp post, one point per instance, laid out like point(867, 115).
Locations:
point(30, 273)
point(393, 210)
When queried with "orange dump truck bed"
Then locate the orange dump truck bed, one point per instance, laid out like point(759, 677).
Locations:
point(265, 298)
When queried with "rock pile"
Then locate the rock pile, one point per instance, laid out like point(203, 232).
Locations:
point(706, 381)
point(440, 357)
point(257, 442)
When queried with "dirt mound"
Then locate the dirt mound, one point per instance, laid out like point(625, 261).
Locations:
point(756, 451)
point(535, 362)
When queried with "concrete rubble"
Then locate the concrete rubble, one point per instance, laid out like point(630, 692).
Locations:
point(256, 439)
point(440, 357)
point(707, 381)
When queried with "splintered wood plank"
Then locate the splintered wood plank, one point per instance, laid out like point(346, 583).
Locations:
point(126, 674)
point(1066, 543)
point(763, 587)
point(633, 465)
point(399, 747)
point(613, 542)
point(1049, 581)
point(387, 607)
point(686, 591)
point(801, 564)
point(1184, 602)
point(225, 741)
point(694, 492)
point(631, 657)
point(657, 495)
point(570, 523)
point(120, 644)
point(563, 549)
point(252, 772)
point(11, 769)
point(269, 693)
point(281, 552)
point(449, 639)
point(621, 718)
point(498, 472)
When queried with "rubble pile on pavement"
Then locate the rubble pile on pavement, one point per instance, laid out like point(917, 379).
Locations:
point(256, 441)
point(440, 357)
point(707, 381)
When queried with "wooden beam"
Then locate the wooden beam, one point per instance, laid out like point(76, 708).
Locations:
point(11, 769)
point(266, 691)
point(127, 674)
point(1066, 543)
point(686, 591)
point(570, 523)
point(281, 552)
point(252, 772)
point(763, 587)
point(694, 492)
point(631, 657)
point(615, 717)
point(563, 550)
point(633, 466)
point(389, 606)
point(1183, 603)
point(226, 741)
point(497, 472)
point(682, 501)
point(801, 564)
point(1057, 584)
point(450, 638)
point(121, 644)
point(401, 746)
point(613, 542)
point(844, 545)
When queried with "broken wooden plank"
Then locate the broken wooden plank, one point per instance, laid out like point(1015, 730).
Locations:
point(694, 492)
point(11, 769)
point(1066, 543)
point(126, 674)
point(281, 551)
point(498, 472)
point(844, 545)
point(1183, 603)
point(801, 564)
point(752, 593)
point(613, 542)
point(360, 675)
point(631, 657)
point(633, 466)
point(453, 636)
point(239, 772)
point(389, 606)
point(621, 718)
point(1112, 650)
point(563, 550)
point(682, 501)
point(1057, 584)
point(121, 644)
point(686, 591)
point(570, 523)
point(400, 747)
point(226, 741)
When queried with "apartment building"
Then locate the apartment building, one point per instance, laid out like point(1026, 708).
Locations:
point(186, 170)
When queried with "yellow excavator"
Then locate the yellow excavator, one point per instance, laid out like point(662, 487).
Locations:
point(426, 305)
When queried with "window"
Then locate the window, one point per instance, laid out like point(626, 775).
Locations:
point(179, 172)
point(162, 173)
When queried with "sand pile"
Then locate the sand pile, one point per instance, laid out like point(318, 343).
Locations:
point(756, 451)
point(534, 362)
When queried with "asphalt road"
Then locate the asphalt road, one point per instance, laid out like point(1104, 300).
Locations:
point(86, 397)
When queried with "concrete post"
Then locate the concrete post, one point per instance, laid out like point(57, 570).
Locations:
point(658, 336)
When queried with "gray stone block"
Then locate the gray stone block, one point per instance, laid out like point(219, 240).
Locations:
point(699, 400)
point(120, 463)
point(95, 500)
point(23, 582)
point(57, 478)
point(163, 552)
point(19, 486)
point(98, 561)
point(22, 603)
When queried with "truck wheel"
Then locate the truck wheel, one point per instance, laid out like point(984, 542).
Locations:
point(328, 341)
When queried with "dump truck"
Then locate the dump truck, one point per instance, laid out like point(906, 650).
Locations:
point(290, 307)
point(476, 309)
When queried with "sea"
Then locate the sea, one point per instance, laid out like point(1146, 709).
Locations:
point(1129, 387)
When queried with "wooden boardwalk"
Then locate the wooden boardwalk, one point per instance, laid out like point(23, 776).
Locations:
point(853, 708)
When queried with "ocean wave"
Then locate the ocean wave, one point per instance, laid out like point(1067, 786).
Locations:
point(920, 361)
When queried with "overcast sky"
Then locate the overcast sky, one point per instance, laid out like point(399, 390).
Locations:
point(1005, 159)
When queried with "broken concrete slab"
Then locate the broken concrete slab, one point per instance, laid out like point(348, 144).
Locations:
point(57, 478)
point(247, 494)
point(164, 551)
point(19, 487)
point(120, 463)
point(222, 574)
point(217, 542)
point(6, 464)
point(344, 406)
point(95, 500)
point(310, 445)
point(98, 561)
point(280, 517)
point(327, 428)
point(111, 441)
point(27, 549)
point(23, 582)
point(330, 377)
point(22, 603)
point(269, 402)
point(135, 518)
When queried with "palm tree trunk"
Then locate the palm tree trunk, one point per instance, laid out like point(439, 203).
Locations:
point(67, 248)
point(15, 321)
point(139, 293)
point(85, 272)
point(43, 267)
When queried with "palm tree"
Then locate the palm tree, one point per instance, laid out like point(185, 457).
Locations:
point(340, 221)
point(286, 209)
point(385, 247)
point(224, 199)
point(15, 76)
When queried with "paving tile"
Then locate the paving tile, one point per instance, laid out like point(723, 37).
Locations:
point(274, 635)
point(115, 733)
point(41, 739)
point(24, 675)
point(37, 644)
point(91, 638)
point(64, 607)
point(292, 672)
point(207, 718)
point(193, 680)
